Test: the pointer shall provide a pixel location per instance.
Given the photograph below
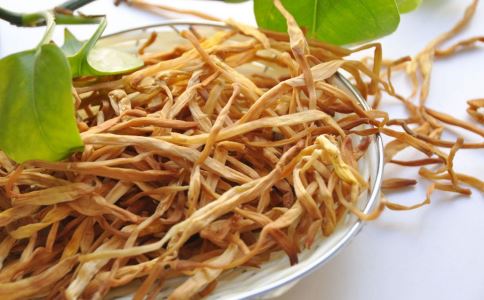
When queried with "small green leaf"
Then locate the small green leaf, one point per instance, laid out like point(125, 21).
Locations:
point(36, 106)
point(77, 51)
point(86, 60)
point(71, 44)
point(405, 6)
point(339, 22)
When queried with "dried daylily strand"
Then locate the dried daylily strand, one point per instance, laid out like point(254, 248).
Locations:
point(459, 46)
point(217, 126)
point(475, 109)
point(151, 6)
point(251, 31)
point(202, 277)
point(299, 48)
point(397, 183)
point(446, 118)
point(417, 163)
point(400, 207)
point(147, 43)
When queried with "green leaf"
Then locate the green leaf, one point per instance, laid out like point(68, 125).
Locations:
point(77, 51)
point(86, 60)
point(108, 61)
point(339, 22)
point(405, 6)
point(36, 106)
point(71, 44)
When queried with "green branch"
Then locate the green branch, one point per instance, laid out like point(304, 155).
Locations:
point(11, 17)
point(38, 18)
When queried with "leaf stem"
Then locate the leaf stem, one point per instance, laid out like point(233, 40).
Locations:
point(73, 20)
point(49, 30)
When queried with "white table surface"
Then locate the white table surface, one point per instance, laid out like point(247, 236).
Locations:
point(436, 252)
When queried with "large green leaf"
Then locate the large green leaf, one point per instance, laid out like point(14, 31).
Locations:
point(86, 60)
point(36, 106)
point(335, 21)
point(405, 6)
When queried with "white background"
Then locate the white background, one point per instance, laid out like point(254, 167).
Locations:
point(436, 252)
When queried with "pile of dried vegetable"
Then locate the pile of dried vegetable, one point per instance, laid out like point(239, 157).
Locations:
point(193, 166)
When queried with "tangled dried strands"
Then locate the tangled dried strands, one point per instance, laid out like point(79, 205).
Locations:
point(111, 159)
point(197, 164)
point(135, 151)
point(423, 61)
point(38, 284)
point(430, 124)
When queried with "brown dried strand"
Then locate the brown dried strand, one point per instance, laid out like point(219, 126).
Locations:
point(446, 118)
point(418, 162)
point(147, 43)
point(459, 47)
point(397, 183)
point(433, 141)
point(469, 180)
point(299, 48)
point(355, 210)
point(217, 126)
point(159, 7)
point(475, 109)
point(400, 207)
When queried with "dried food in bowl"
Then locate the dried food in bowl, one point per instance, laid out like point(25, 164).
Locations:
point(210, 166)
point(276, 275)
